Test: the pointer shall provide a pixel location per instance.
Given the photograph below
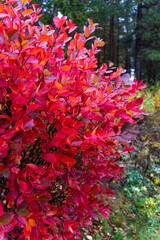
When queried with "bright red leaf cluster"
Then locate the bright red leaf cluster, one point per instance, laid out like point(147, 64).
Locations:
point(62, 121)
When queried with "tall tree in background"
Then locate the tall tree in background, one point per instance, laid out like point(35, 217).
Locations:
point(138, 42)
point(150, 46)
point(111, 34)
point(130, 30)
point(77, 10)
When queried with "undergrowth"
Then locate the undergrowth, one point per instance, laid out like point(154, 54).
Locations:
point(135, 210)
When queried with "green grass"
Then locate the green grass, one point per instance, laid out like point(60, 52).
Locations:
point(128, 219)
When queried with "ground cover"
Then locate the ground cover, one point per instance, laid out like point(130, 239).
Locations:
point(135, 209)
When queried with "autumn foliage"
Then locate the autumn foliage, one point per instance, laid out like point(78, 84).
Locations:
point(62, 121)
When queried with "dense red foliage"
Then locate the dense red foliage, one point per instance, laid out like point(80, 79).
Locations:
point(62, 121)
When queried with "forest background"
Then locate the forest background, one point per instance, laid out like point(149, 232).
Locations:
point(130, 29)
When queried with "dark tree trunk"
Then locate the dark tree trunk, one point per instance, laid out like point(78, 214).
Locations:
point(111, 36)
point(117, 57)
point(127, 54)
point(127, 59)
point(138, 43)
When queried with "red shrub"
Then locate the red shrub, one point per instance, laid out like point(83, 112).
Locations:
point(62, 121)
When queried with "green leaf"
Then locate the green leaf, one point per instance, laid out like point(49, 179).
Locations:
point(24, 212)
point(6, 218)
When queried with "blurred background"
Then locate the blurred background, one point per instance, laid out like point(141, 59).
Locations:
point(130, 29)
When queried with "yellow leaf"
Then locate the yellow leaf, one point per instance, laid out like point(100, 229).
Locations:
point(24, 1)
point(156, 181)
point(101, 43)
point(46, 72)
point(94, 78)
point(90, 22)
point(28, 11)
point(111, 64)
point(58, 85)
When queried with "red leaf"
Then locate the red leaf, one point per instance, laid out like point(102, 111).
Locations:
point(138, 101)
point(3, 82)
point(1, 234)
point(32, 166)
point(105, 215)
point(9, 227)
point(18, 136)
point(27, 230)
point(1, 208)
point(23, 185)
point(68, 161)
point(29, 124)
point(71, 224)
point(49, 157)
point(34, 208)
point(12, 195)
point(76, 142)
point(56, 22)
point(72, 29)
point(101, 133)
point(141, 85)
point(115, 129)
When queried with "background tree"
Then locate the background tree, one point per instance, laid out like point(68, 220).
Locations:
point(130, 30)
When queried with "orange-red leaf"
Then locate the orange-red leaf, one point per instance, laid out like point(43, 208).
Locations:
point(32, 222)
point(73, 43)
point(80, 45)
point(86, 31)
point(1, 7)
point(66, 67)
point(43, 38)
point(101, 43)
point(27, 230)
